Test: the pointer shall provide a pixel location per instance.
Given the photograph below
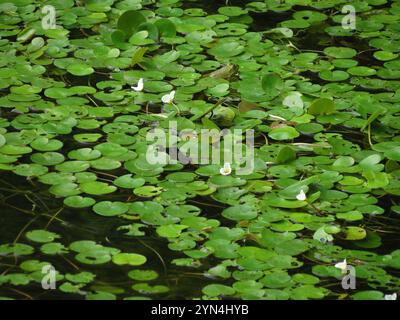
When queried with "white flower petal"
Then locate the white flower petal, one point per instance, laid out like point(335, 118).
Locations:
point(226, 169)
point(391, 296)
point(301, 196)
point(169, 97)
point(341, 265)
point(165, 98)
point(140, 85)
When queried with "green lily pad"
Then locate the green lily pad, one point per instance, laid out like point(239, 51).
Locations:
point(145, 288)
point(368, 295)
point(240, 212)
point(132, 259)
point(41, 236)
point(143, 275)
point(109, 208)
point(215, 290)
point(79, 202)
point(283, 133)
point(340, 52)
point(80, 69)
point(30, 170)
point(171, 230)
point(97, 188)
point(355, 233)
point(321, 106)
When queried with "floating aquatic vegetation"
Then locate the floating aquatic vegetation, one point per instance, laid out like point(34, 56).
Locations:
point(80, 96)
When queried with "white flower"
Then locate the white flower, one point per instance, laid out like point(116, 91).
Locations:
point(391, 296)
point(276, 117)
point(301, 196)
point(139, 86)
point(169, 97)
point(226, 169)
point(342, 265)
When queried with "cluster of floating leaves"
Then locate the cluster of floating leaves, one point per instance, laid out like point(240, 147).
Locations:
point(323, 101)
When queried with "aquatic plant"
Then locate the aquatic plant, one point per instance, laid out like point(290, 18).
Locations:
point(78, 100)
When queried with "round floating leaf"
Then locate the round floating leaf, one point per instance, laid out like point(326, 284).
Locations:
point(148, 289)
point(129, 21)
point(45, 144)
point(65, 189)
point(215, 290)
point(361, 71)
point(80, 69)
point(283, 133)
point(2, 140)
point(305, 278)
point(87, 137)
point(18, 249)
point(232, 11)
point(42, 236)
point(143, 275)
point(126, 181)
point(354, 233)
point(48, 158)
point(30, 170)
point(340, 52)
point(306, 292)
point(321, 106)
point(79, 202)
point(335, 75)
point(101, 296)
point(97, 188)
point(105, 164)
point(171, 230)
point(53, 248)
point(372, 240)
point(271, 83)
point(32, 265)
point(150, 207)
point(368, 295)
point(385, 55)
point(240, 212)
point(165, 28)
point(147, 191)
point(82, 277)
point(181, 177)
point(226, 181)
point(132, 259)
point(73, 166)
point(94, 257)
point(84, 154)
point(14, 150)
point(276, 280)
point(109, 208)
point(286, 154)
point(227, 49)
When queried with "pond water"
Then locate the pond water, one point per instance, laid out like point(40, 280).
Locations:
point(322, 99)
